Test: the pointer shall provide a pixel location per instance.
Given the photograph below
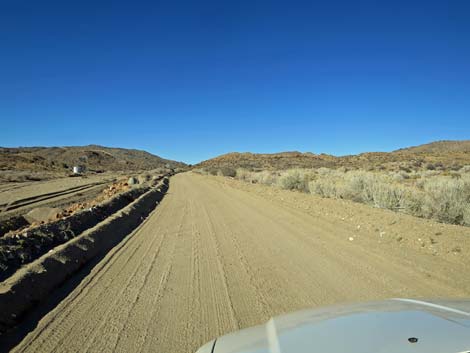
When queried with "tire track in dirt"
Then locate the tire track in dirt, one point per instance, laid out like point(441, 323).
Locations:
point(91, 291)
point(116, 301)
point(153, 271)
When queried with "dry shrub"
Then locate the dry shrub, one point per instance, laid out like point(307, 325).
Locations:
point(465, 169)
point(466, 215)
point(228, 172)
point(447, 199)
point(243, 174)
point(324, 188)
point(264, 177)
point(295, 179)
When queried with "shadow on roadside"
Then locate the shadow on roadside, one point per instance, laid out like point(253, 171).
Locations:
point(31, 319)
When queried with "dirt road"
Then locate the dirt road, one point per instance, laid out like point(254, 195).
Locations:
point(213, 258)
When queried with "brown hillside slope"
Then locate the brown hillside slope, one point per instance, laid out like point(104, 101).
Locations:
point(442, 154)
point(440, 147)
point(93, 157)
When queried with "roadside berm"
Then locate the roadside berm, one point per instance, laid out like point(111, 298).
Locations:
point(92, 233)
point(20, 247)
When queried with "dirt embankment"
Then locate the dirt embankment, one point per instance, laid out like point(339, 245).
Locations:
point(19, 248)
point(33, 282)
point(219, 255)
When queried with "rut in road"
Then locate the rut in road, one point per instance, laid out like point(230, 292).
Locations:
point(212, 259)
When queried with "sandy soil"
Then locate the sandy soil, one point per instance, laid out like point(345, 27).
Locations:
point(18, 198)
point(218, 255)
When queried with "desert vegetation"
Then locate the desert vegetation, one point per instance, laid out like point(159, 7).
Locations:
point(443, 195)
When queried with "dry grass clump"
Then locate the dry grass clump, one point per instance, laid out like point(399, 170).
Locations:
point(444, 196)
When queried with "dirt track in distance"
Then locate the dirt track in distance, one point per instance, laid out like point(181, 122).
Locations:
point(214, 258)
point(19, 198)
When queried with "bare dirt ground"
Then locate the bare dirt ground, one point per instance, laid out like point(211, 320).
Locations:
point(18, 198)
point(218, 255)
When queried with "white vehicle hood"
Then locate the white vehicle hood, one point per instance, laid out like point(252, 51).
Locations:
point(391, 326)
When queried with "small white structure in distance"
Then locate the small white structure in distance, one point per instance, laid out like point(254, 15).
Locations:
point(78, 169)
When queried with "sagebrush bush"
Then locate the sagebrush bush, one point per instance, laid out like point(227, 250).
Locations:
point(358, 186)
point(465, 169)
point(413, 201)
point(242, 174)
point(323, 187)
point(266, 177)
point(294, 180)
point(446, 199)
point(389, 196)
point(228, 172)
point(466, 215)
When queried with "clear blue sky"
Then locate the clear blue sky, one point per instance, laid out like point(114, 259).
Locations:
point(189, 80)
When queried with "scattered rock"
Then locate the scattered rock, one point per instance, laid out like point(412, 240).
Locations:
point(132, 181)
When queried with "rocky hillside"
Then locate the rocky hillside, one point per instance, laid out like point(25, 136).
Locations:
point(436, 155)
point(440, 147)
point(92, 157)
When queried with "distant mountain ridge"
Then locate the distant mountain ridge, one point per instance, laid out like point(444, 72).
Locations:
point(93, 157)
point(448, 154)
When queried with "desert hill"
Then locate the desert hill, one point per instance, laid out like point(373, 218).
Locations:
point(93, 157)
point(441, 154)
point(440, 147)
